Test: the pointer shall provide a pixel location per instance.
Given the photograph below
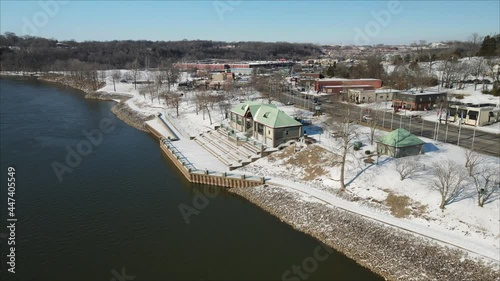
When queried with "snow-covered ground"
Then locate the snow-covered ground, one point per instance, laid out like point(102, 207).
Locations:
point(469, 96)
point(462, 223)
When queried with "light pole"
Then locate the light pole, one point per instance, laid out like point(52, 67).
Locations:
point(392, 118)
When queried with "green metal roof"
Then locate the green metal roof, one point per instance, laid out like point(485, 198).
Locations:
point(242, 108)
point(400, 138)
point(274, 118)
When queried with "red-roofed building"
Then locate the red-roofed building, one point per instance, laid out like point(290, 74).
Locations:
point(337, 85)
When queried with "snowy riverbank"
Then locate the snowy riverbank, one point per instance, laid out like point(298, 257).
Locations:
point(121, 109)
point(394, 254)
point(380, 247)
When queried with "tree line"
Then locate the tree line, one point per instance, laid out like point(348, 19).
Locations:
point(28, 53)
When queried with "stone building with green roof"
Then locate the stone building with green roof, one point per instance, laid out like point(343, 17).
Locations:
point(400, 143)
point(266, 123)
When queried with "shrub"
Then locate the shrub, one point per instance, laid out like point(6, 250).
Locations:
point(367, 152)
point(356, 148)
point(495, 91)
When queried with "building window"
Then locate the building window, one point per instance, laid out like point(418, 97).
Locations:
point(260, 129)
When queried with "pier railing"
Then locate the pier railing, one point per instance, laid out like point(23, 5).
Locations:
point(195, 175)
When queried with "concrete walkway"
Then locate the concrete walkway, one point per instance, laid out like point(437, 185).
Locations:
point(442, 236)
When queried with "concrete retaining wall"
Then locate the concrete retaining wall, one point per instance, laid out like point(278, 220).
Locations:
point(210, 177)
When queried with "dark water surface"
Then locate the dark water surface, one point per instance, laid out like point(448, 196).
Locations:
point(117, 212)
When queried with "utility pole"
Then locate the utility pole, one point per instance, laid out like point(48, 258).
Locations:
point(446, 134)
point(409, 127)
point(383, 120)
point(473, 136)
point(459, 131)
point(422, 128)
point(392, 118)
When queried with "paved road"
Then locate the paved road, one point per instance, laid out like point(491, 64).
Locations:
point(487, 143)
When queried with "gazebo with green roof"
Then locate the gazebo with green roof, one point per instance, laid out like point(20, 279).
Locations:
point(400, 143)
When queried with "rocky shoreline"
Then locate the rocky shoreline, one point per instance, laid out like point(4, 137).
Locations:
point(131, 117)
point(389, 252)
point(63, 80)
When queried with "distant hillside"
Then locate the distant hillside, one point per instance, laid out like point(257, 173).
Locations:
point(35, 53)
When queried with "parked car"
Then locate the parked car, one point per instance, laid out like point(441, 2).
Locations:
point(367, 118)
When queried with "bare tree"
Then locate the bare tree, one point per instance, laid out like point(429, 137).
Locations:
point(372, 122)
point(472, 160)
point(204, 102)
point(473, 44)
point(170, 73)
point(175, 101)
point(449, 71)
point(347, 132)
point(102, 75)
point(143, 91)
point(399, 77)
point(116, 75)
point(493, 67)
point(487, 183)
point(478, 68)
point(407, 167)
point(135, 67)
point(449, 180)
point(198, 101)
point(263, 86)
point(420, 77)
point(152, 91)
point(463, 72)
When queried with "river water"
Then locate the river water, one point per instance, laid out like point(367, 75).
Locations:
point(114, 214)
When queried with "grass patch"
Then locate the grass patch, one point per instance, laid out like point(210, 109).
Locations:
point(314, 160)
point(399, 205)
point(402, 206)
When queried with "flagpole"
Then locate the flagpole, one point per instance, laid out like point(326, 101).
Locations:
point(446, 135)
point(434, 135)
point(392, 118)
point(459, 130)
point(422, 129)
point(409, 127)
point(439, 123)
point(473, 136)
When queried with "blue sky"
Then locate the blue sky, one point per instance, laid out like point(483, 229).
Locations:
point(325, 22)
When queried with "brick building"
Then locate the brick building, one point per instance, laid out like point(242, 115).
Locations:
point(418, 100)
point(337, 85)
